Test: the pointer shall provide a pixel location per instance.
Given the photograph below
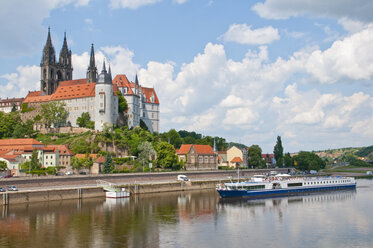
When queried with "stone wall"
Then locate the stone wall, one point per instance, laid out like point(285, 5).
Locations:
point(49, 195)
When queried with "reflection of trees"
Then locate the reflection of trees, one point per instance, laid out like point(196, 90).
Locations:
point(92, 222)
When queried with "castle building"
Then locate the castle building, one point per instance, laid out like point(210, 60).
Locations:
point(95, 94)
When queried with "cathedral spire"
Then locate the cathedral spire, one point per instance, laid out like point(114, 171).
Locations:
point(65, 54)
point(92, 70)
point(104, 67)
point(49, 56)
point(109, 71)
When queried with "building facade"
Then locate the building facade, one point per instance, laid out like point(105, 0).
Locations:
point(7, 105)
point(237, 157)
point(198, 157)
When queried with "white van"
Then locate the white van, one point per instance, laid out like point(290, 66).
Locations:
point(182, 178)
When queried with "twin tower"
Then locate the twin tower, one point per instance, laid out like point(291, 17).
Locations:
point(53, 72)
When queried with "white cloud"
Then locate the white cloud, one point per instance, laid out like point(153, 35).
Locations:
point(359, 10)
point(29, 16)
point(18, 84)
point(317, 117)
point(119, 58)
point(180, 1)
point(243, 34)
point(131, 4)
point(345, 59)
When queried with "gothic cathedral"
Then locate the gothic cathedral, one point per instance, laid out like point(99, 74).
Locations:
point(53, 72)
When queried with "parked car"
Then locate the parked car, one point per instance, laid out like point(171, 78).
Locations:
point(2, 189)
point(82, 173)
point(12, 188)
point(59, 174)
point(69, 173)
point(182, 178)
point(8, 176)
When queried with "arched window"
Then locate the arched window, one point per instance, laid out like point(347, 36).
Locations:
point(52, 74)
point(59, 75)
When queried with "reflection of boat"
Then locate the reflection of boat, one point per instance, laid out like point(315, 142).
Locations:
point(283, 184)
point(112, 190)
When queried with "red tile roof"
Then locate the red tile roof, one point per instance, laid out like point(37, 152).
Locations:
point(184, 149)
point(200, 149)
point(203, 149)
point(236, 160)
point(269, 155)
point(74, 91)
point(22, 142)
point(73, 82)
point(148, 92)
point(10, 157)
point(71, 89)
point(121, 80)
point(37, 97)
point(63, 149)
point(100, 160)
point(12, 100)
point(83, 155)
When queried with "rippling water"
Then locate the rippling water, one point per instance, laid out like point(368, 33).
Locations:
point(195, 219)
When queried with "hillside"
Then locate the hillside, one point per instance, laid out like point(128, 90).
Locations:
point(340, 154)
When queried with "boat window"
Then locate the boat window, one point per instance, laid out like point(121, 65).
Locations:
point(254, 187)
point(294, 184)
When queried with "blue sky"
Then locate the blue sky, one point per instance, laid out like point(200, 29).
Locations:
point(244, 70)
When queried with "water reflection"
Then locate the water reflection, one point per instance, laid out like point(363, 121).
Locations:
point(190, 219)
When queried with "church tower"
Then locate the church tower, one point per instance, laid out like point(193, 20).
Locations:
point(65, 71)
point(92, 70)
point(48, 67)
point(51, 71)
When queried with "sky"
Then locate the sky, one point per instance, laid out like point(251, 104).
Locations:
point(247, 71)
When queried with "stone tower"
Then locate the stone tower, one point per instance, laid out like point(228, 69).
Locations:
point(51, 71)
point(92, 70)
point(106, 104)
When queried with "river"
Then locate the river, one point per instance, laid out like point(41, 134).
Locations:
point(194, 219)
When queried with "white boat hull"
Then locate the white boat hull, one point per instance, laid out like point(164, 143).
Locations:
point(120, 194)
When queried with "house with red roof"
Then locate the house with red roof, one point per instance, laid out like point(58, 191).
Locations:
point(20, 150)
point(237, 157)
point(143, 103)
point(269, 159)
point(6, 105)
point(198, 157)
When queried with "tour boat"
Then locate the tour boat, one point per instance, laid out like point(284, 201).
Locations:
point(283, 184)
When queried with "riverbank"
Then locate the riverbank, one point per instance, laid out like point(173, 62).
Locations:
point(69, 193)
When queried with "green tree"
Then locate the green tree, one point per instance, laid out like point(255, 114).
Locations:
point(35, 163)
point(255, 157)
point(146, 151)
point(278, 152)
point(174, 138)
point(288, 161)
point(85, 121)
point(76, 163)
point(122, 103)
point(108, 164)
point(166, 156)
point(8, 122)
point(14, 108)
point(308, 161)
point(3, 165)
point(54, 113)
point(25, 129)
